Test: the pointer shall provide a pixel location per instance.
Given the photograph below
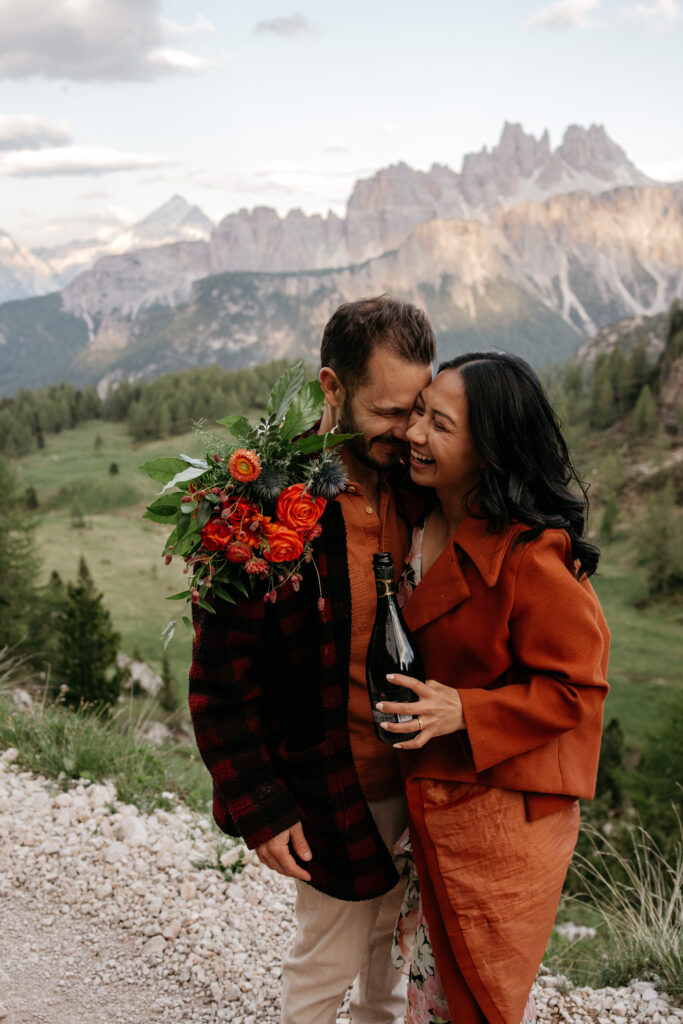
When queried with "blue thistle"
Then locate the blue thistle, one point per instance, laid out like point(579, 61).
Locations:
point(270, 483)
point(328, 478)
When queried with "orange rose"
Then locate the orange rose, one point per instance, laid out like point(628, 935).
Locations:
point(216, 534)
point(281, 544)
point(299, 510)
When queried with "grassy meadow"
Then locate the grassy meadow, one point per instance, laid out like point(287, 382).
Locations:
point(123, 552)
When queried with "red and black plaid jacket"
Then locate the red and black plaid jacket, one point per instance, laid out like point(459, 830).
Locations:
point(268, 698)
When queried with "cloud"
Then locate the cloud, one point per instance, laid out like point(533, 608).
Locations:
point(200, 24)
point(26, 131)
point(87, 40)
point(566, 14)
point(180, 60)
point(75, 161)
point(665, 170)
point(658, 15)
point(292, 25)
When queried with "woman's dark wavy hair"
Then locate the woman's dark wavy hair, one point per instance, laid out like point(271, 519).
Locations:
point(528, 473)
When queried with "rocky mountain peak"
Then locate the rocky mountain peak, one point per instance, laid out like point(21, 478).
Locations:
point(173, 215)
point(591, 151)
point(520, 151)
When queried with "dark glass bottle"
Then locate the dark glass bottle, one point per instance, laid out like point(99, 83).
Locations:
point(391, 649)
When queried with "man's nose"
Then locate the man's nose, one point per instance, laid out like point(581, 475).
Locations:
point(400, 427)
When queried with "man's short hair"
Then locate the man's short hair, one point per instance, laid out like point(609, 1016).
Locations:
point(356, 329)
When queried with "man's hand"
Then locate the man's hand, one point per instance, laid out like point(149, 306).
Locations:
point(275, 853)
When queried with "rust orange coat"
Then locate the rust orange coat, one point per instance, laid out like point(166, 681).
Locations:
point(526, 645)
point(493, 810)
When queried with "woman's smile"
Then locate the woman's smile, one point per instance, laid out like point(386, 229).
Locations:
point(419, 460)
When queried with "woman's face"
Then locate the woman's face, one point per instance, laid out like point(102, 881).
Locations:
point(442, 454)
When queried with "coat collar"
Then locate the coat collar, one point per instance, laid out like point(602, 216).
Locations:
point(486, 549)
point(444, 586)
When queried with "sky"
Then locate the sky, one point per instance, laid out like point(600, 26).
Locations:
point(110, 107)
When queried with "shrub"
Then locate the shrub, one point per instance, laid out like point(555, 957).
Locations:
point(638, 896)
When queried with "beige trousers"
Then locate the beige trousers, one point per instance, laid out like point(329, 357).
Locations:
point(338, 941)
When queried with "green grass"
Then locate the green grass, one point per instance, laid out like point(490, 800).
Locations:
point(645, 660)
point(60, 744)
point(123, 551)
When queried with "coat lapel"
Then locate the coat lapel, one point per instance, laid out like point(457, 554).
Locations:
point(442, 588)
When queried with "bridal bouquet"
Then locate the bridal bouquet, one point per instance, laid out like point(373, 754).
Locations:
point(250, 508)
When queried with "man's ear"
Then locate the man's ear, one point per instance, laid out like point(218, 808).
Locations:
point(334, 391)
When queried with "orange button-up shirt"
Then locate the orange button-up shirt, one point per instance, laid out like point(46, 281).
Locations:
point(369, 530)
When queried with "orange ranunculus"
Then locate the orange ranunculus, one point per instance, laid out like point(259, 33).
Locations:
point(241, 513)
point(244, 465)
point(216, 534)
point(245, 519)
point(236, 551)
point(281, 544)
point(299, 510)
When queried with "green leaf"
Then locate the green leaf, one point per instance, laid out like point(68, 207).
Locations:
point(204, 513)
point(179, 596)
point(239, 584)
point(315, 443)
point(162, 470)
point(187, 622)
point(163, 510)
point(170, 541)
point(189, 473)
point(304, 411)
point(187, 541)
point(207, 607)
point(222, 593)
point(284, 390)
point(239, 426)
point(168, 632)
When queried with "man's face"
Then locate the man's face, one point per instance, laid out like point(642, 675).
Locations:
point(380, 408)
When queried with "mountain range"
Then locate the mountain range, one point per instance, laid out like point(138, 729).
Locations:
point(526, 248)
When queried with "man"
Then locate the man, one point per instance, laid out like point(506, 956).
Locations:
point(278, 695)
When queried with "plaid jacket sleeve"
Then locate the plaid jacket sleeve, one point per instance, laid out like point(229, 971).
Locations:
point(226, 700)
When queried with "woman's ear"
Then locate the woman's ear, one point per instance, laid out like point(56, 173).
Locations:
point(334, 391)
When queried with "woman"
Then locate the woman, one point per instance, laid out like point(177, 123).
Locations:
point(515, 650)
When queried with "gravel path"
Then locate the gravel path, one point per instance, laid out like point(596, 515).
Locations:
point(109, 916)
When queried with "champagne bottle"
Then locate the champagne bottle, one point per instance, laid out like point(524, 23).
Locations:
point(391, 650)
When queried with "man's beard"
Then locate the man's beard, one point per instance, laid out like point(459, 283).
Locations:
point(360, 447)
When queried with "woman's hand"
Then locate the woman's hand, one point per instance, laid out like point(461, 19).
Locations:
point(438, 711)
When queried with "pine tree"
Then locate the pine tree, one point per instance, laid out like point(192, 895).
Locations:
point(612, 765)
point(603, 407)
point(644, 415)
point(660, 543)
point(610, 517)
point(18, 561)
point(45, 635)
point(89, 645)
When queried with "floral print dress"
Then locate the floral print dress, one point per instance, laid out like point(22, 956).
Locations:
point(412, 952)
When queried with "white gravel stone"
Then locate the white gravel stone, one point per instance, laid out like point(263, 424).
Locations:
point(131, 830)
point(115, 852)
point(104, 893)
